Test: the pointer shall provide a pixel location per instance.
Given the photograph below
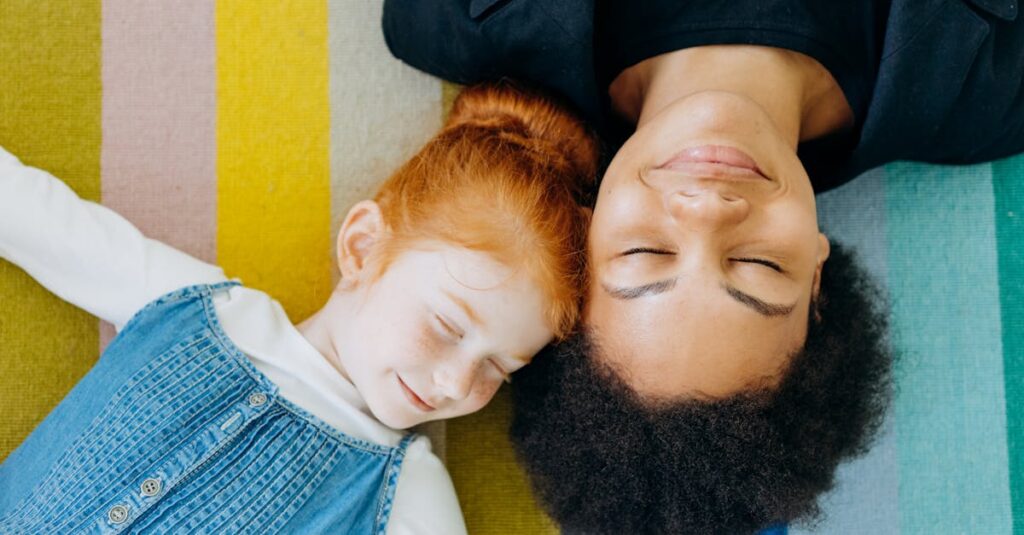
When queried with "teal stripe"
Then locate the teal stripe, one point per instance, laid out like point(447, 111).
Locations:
point(1008, 186)
point(950, 408)
point(866, 495)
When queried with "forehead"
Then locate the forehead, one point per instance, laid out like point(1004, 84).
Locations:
point(692, 343)
point(463, 272)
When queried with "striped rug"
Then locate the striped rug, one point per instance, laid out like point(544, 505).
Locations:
point(241, 131)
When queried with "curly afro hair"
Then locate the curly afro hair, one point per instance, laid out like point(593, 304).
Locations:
point(603, 460)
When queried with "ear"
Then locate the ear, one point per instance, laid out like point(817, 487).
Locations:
point(824, 249)
point(359, 236)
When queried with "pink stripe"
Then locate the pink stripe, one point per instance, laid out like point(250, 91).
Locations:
point(158, 157)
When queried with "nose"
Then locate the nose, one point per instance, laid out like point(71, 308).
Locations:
point(455, 380)
point(707, 207)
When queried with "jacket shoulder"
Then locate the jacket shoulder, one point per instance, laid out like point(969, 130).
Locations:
point(441, 37)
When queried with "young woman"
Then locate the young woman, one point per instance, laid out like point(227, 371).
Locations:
point(746, 354)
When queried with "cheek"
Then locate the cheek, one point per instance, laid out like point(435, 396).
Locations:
point(481, 395)
point(616, 219)
point(795, 229)
point(426, 345)
point(407, 344)
point(622, 200)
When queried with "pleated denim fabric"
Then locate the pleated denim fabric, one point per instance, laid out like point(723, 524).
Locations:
point(174, 431)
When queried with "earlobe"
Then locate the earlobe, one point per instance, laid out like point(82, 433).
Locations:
point(824, 249)
point(358, 237)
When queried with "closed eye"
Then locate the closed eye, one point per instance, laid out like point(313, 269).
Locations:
point(760, 261)
point(505, 376)
point(645, 250)
point(448, 328)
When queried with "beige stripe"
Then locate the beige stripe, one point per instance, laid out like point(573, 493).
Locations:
point(159, 113)
point(159, 119)
point(382, 111)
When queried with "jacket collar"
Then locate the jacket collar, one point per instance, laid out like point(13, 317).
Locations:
point(1004, 9)
point(478, 8)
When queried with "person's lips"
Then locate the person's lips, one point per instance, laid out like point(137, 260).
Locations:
point(413, 398)
point(714, 161)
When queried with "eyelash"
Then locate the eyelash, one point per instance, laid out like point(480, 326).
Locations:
point(761, 261)
point(648, 250)
point(645, 250)
point(505, 376)
point(454, 333)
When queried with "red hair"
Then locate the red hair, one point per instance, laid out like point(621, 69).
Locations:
point(504, 177)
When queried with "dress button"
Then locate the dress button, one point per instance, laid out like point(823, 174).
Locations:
point(118, 514)
point(257, 398)
point(150, 487)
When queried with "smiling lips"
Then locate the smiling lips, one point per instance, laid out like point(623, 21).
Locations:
point(715, 161)
point(414, 399)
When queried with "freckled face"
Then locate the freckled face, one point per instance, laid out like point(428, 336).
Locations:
point(439, 332)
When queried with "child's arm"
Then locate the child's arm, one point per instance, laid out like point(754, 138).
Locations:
point(83, 252)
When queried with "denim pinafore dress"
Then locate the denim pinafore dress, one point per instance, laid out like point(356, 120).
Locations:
point(175, 431)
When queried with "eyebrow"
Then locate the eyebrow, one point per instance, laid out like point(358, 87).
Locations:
point(757, 305)
point(462, 304)
point(635, 292)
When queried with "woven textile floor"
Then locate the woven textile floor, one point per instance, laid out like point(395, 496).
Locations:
point(241, 131)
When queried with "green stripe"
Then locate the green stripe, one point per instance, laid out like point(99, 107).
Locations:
point(950, 409)
point(49, 118)
point(1008, 187)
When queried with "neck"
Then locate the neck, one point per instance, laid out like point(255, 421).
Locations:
point(318, 329)
point(797, 92)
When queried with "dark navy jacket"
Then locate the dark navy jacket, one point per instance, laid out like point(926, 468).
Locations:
point(947, 87)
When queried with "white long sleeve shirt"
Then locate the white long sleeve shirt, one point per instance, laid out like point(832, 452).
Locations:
point(96, 260)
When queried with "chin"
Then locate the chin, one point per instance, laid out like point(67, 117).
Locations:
point(396, 419)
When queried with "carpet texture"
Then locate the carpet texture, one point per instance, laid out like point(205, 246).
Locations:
point(241, 132)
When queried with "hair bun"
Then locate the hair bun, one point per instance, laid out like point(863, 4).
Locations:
point(511, 110)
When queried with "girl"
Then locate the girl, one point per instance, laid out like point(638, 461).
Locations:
point(211, 412)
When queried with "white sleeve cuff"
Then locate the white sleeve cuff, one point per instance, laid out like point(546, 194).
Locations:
point(425, 500)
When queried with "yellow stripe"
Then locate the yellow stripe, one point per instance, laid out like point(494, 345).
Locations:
point(273, 129)
point(49, 118)
point(448, 93)
point(493, 490)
